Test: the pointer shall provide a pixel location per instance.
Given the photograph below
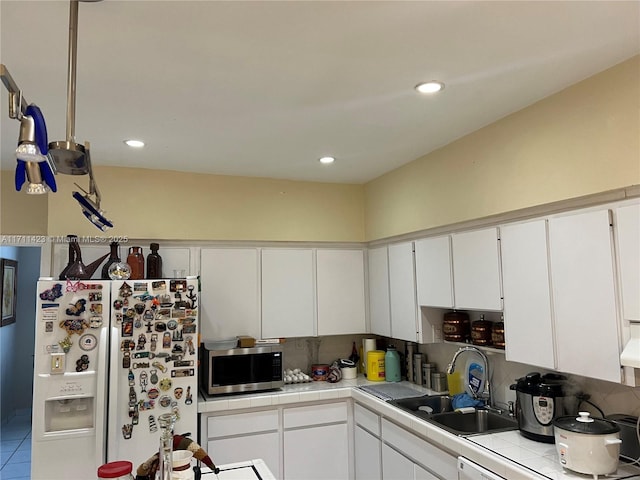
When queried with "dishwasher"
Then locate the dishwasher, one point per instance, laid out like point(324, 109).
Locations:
point(468, 470)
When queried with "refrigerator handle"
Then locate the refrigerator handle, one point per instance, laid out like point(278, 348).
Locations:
point(101, 396)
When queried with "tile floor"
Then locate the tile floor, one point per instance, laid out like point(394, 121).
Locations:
point(15, 447)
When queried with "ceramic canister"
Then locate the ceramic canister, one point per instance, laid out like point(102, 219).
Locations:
point(375, 366)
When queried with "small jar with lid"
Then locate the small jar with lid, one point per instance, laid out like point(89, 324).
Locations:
point(497, 334)
point(481, 332)
point(120, 470)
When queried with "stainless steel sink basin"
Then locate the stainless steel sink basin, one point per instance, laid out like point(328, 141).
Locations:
point(424, 406)
point(480, 421)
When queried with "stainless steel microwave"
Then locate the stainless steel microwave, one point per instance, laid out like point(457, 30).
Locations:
point(241, 369)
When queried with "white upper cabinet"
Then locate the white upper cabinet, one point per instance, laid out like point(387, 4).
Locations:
point(379, 308)
point(402, 292)
point(628, 233)
point(340, 287)
point(288, 293)
point(476, 270)
point(528, 321)
point(584, 298)
point(230, 297)
point(434, 282)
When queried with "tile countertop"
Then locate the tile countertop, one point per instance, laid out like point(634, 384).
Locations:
point(505, 453)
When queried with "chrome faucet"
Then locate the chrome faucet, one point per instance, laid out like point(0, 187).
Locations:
point(486, 394)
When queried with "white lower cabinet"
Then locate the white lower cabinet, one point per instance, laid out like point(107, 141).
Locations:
point(396, 466)
point(368, 454)
point(368, 461)
point(316, 442)
point(238, 437)
point(420, 473)
point(387, 451)
point(433, 460)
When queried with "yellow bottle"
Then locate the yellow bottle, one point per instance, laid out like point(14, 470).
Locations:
point(375, 366)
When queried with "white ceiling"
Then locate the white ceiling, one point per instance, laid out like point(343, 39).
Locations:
point(265, 88)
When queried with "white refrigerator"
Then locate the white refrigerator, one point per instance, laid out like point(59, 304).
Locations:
point(110, 357)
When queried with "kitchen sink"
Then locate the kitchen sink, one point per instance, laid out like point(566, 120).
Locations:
point(424, 406)
point(480, 421)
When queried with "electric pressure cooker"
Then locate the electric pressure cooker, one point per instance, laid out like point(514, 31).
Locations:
point(540, 399)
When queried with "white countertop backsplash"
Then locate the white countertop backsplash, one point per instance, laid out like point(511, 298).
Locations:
point(501, 448)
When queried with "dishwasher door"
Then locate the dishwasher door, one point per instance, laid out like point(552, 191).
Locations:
point(467, 470)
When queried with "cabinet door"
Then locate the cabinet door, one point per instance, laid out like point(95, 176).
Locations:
point(368, 455)
point(395, 466)
point(402, 292)
point(317, 453)
point(584, 296)
point(628, 232)
point(422, 474)
point(230, 297)
point(340, 279)
point(527, 294)
point(476, 270)
point(434, 283)
point(379, 313)
point(288, 293)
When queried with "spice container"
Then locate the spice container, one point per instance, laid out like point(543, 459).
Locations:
point(439, 382)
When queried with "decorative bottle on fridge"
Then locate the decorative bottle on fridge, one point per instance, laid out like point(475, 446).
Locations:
point(154, 262)
point(135, 259)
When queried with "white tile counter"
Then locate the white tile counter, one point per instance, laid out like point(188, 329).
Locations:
point(506, 453)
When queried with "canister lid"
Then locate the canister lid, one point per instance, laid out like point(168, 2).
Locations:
point(115, 469)
point(584, 423)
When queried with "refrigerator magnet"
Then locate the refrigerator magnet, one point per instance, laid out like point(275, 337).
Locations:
point(95, 296)
point(127, 327)
point(88, 342)
point(52, 293)
point(75, 309)
point(74, 325)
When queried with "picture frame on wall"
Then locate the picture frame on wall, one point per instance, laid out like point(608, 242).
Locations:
point(8, 295)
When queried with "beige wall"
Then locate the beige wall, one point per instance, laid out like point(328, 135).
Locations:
point(582, 140)
point(160, 204)
point(20, 213)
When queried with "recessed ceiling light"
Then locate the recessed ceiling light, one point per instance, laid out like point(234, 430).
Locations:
point(135, 143)
point(327, 160)
point(429, 87)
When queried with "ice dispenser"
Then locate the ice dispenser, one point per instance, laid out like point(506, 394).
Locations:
point(68, 414)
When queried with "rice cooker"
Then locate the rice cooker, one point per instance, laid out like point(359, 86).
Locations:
point(587, 445)
point(540, 399)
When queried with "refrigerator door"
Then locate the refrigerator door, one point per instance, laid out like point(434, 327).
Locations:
point(70, 374)
point(153, 364)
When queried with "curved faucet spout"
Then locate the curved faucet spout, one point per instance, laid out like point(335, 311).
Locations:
point(486, 391)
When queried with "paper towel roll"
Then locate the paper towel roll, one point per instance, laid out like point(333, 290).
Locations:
point(367, 345)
